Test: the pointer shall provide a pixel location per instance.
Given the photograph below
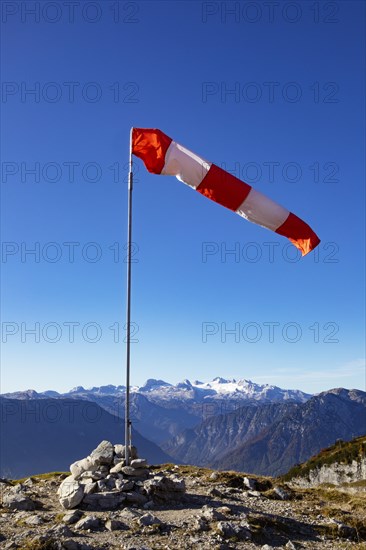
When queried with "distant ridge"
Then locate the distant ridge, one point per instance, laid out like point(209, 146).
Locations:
point(271, 438)
point(49, 434)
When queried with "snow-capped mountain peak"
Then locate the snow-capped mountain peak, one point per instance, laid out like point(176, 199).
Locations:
point(220, 380)
point(159, 391)
point(152, 384)
point(77, 389)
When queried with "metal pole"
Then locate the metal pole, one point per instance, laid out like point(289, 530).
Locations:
point(128, 309)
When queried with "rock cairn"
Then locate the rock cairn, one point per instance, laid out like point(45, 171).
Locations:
point(102, 481)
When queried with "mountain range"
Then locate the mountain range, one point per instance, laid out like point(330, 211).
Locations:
point(160, 410)
point(161, 391)
point(225, 424)
point(271, 438)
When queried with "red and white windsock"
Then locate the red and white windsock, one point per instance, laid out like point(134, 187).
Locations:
point(162, 155)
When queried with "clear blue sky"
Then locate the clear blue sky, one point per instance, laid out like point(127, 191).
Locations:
point(276, 93)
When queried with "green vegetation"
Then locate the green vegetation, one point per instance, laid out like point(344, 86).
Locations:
point(183, 469)
point(59, 517)
point(229, 478)
point(360, 484)
point(342, 452)
point(39, 477)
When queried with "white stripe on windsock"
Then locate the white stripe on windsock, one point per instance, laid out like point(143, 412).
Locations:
point(262, 210)
point(185, 165)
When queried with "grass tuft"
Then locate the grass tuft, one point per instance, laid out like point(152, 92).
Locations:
point(38, 477)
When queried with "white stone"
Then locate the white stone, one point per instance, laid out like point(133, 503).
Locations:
point(34, 521)
point(90, 488)
point(135, 472)
point(139, 463)
point(18, 501)
point(210, 514)
point(200, 524)
point(115, 525)
point(101, 485)
point(85, 465)
point(250, 483)
point(281, 493)
point(104, 453)
point(226, 529)
point(229, 529)
point(128, 470)
point(71, 493)
point(124, 485)
point(104, 501)
point(72, 517)
point(165, 488)
point(89, 522)
point(97, 475)
point(85, 478)
point(254, 494)
point(119, 450)
point(149, 519)
point(117, 468)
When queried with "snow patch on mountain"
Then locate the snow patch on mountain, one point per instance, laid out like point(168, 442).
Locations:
point(151, 384)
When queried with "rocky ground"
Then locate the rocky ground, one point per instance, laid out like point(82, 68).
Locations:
point(219, 510)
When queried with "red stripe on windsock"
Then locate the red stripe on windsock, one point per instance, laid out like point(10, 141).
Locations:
point(299, 233)
point(150, 145)
point(224, 188)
